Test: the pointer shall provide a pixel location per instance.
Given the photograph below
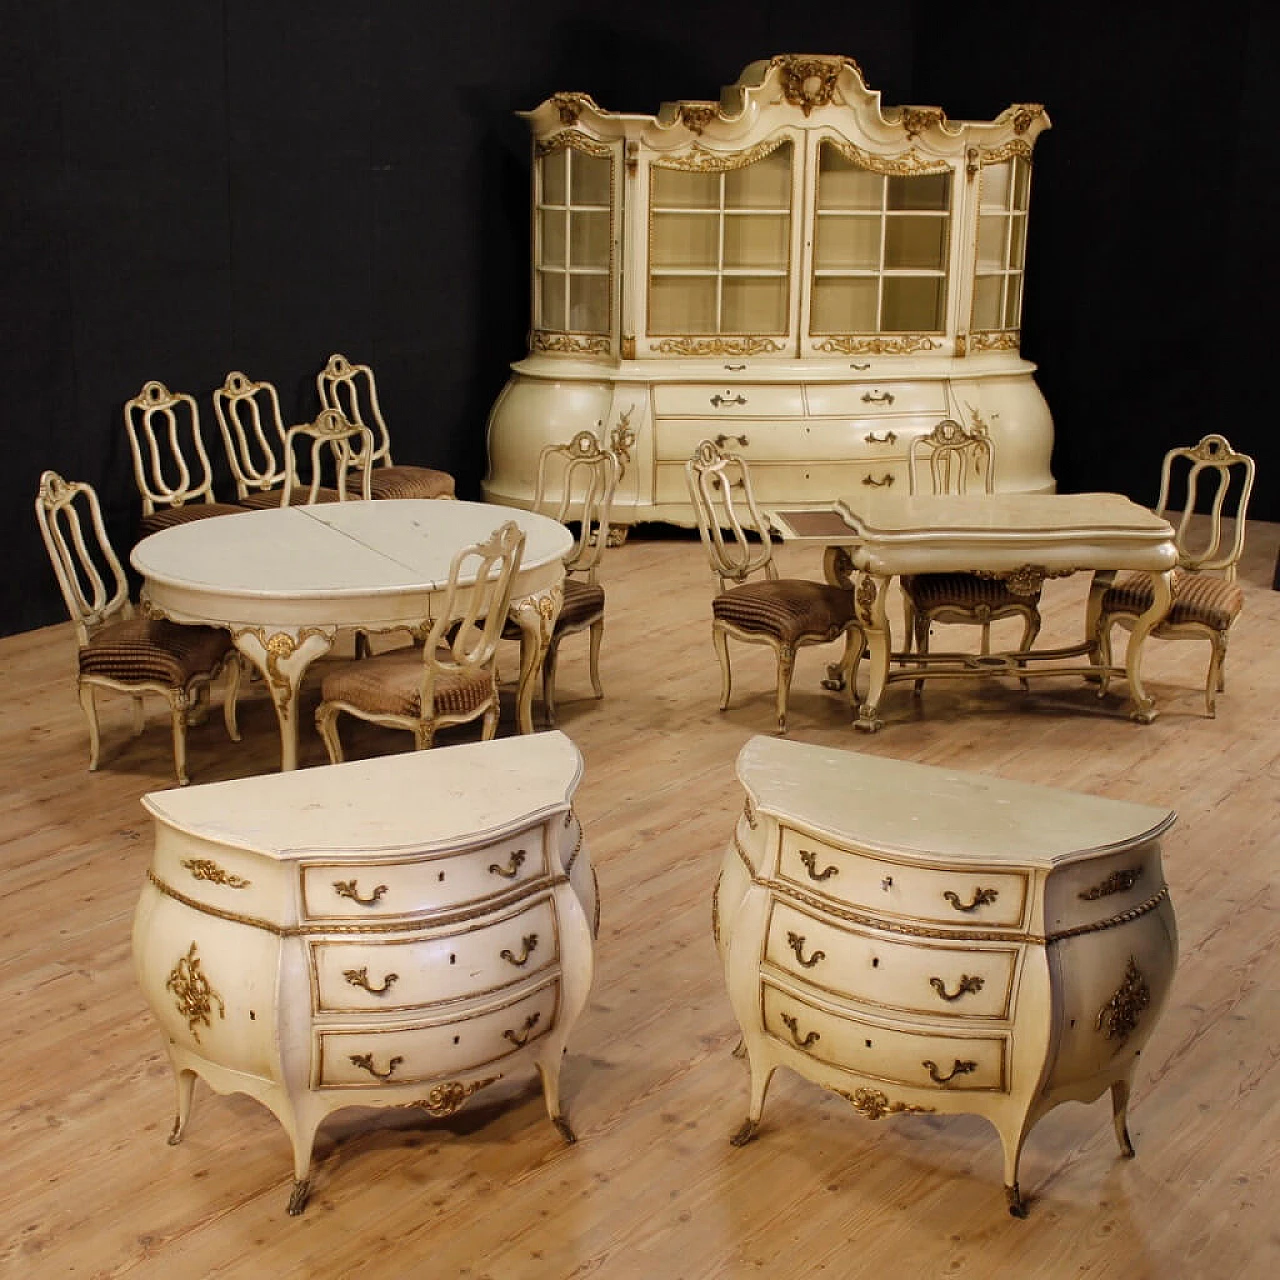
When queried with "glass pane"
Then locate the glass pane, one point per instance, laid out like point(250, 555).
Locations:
point(682, 304)
point(917, 243)
point(553, 177)
point(1013, 303)
point(1017, 240)
point(756, 240)
point(589, 304)
point(685, 240)
point(551, 300)
point(912, 304)
point(763, 185)
point(845, 185)
point(986, 302)
point(589, 237)
point(1021, 183)
point(551, 248)
point(928, 191)
point(995, 186)
point(679, 189)
point(847, 241)
point(991, 246)
point(754, 304)
point(589, 179)
point(844, 305)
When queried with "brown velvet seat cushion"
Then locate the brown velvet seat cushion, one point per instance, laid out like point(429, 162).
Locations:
point(153, 649)
point(1203, 598)
point(791, 609)
point(583, 603)
point(406, 482)
point(167, 517)
point(270, 498)
point(387, 685)
point(962, 590)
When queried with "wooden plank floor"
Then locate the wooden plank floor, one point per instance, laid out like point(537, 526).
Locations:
point(653, 1189)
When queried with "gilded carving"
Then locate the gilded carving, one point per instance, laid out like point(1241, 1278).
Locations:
point(698, 159)
point(742, 853)
point(570, 344)
point(995, 339)
point(1005, 151)
point(571, 105)
point(905, 164)
point(864, 598)
point(875, 1105)
point(898, 344)
point(1119, 1016)
point(715, 908)
point(917, 119)
point(280, 647)
point(745, 346)
point(207, 869)
point(445, 1099)
point(695, 116)
point(621, 438)
point(808, 83)
point(194, 996)
point(1025, 114)
point(1117, 882)
point(749, 812)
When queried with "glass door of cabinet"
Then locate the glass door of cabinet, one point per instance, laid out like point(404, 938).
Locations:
point(720, 246)
point(881, 246)
point(1002, 245)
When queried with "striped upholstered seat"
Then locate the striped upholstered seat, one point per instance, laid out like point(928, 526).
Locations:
point(1199, 599)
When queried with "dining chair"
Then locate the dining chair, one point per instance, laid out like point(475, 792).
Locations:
point(332, 444)
point(170, 462)
point(119, 649)
point(1207, 599)
point(753, 603)
point(453, 677)
point(576, 484)
point(951, 459)
point(352, 389)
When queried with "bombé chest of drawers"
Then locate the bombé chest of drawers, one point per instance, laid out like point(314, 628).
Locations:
point(398, 931)
point(924, 940)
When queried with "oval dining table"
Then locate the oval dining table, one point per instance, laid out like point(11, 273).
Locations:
point(285, 581)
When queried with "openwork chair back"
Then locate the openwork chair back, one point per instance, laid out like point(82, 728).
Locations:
point(465, 639)
point(1211, 467)
point(586, 477)
point(248, 416)
point(722, 497)
point(89, 572)
point(954, 460)
point(347, 445)
point(351, 389)
point(170, 462)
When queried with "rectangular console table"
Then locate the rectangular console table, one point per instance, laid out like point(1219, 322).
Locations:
point(924, 940)
point(391, 932)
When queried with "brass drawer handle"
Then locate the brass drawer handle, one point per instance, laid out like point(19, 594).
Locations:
point(960, 1069)
point(981, 898)
point(521, 1038)
point(360, 978)
point(735, 368)
point(796, 942)
point(349, 889)
point(885, 481)
point(529, 943)
point(722, 440)
point(1116, 882)
point(887, 438)
point(365, 1062)
point(511, 870)
point(967, 986)
point(810, 860)
point(877, 397)
point(718, 400)
point(812, 1038)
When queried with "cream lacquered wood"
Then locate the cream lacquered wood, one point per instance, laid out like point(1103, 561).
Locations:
point(943, 993)
point(335, 447)
point(425, 1003)
point(252, 427)
point(96, 593)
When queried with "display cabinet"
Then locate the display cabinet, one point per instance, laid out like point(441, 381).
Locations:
point(795, 271)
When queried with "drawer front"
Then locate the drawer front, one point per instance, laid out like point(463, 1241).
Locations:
point(349, 890)
point(966, 897)
point(728, 400)
point(974, 981)
point(367, 975)
point(923, 1059)
point(376, 1058)
point(1090, 891)
point(861, 399)
point(781, 482)
point(798, 440)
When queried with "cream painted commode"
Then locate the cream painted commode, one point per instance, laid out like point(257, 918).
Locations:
point(923, 940)
point(795, 271)
point(400, 931)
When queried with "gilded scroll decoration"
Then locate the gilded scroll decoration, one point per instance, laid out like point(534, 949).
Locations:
point(698, 159)
point(1005, 151)
point(193, 995)
point(571, 105)
point(695, 116)
point(1025, 114)
point(571, 344)
point(917, 119)
point(1117, 882)
point(746, 346)
point(995, 339)
point(905, 164)
point(864, 598)
point(207, 869)
point(1118, 1018)
point(715, 909)
point(621, 440)
point(809, 83)
point(898, 344)
point(279, 647)
point(874, 1104)
point(445, 1099)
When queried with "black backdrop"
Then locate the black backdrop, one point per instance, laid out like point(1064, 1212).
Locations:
point(255, 184)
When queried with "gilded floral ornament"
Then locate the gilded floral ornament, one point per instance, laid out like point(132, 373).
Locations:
point(1025, 114)
point(901, 344)
point(875, 1105)
point(207, 869)
point(571, 105)
point(695, 116)
point(808, 83)
point(445, 1099)
point(917, 119)
point(995, 340)
point(573, 140)
point(194, 996)
point(698, 159)
point(1119, 1016)
point(572, 344)
point(748, 346)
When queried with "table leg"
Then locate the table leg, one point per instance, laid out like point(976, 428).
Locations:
point(283, 655)
point(869, 598)
point(1143, 707)
point(1098, 587)
point(536, 616)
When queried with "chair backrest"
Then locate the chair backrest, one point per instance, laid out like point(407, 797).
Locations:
point(720, 490)
point(248, 416)
point(170, 463)
point(1211, 465)
point(351, 388)
point(957, 460)
point(576, 483)
point(347, 445)
point(89, 572)
point(471, 630)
